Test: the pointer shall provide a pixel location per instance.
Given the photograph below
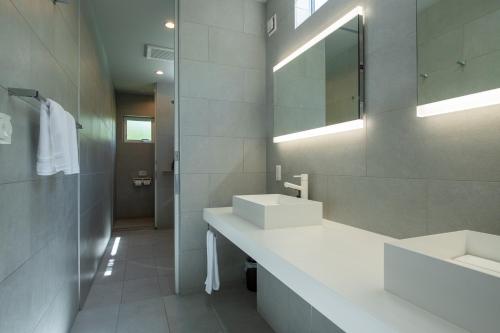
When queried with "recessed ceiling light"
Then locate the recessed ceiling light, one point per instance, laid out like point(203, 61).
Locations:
point(169, 25)
point(159, 72)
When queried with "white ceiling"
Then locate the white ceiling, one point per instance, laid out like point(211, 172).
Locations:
point(125, 26)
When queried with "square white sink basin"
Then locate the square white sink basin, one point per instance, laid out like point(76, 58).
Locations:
point(454, 275)
point(271, 211)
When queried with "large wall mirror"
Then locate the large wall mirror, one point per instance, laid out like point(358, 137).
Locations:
point(323, 86)
point(458, 52)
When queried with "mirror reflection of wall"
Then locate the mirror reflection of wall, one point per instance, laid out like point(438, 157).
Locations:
point(458, 48)
point(320, 87)
point(342, 76)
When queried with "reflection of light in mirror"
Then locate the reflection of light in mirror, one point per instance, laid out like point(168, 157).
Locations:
point(116, 244)
point(319, 37)
point(336, 128)
point(109, 267)
point(467, 102)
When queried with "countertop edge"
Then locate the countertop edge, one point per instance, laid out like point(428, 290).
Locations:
point(332, 305)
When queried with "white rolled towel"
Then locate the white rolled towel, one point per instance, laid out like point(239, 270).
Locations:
point(57, 142)
point(212, 281)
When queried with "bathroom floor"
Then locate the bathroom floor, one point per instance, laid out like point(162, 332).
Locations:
point(133, 292)
point(134, 224)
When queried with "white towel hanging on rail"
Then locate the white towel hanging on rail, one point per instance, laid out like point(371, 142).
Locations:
point(212, 282)
point(57, 142)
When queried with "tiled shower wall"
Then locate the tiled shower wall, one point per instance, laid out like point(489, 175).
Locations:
point(130, 201)
point(97, 149)
point(222, 122)
point(401, 175)
point(39, 44)
point(38, 215)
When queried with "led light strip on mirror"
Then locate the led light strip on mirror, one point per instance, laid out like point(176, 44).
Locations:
point(462, 103)
point(319, 37)
point(336, 128)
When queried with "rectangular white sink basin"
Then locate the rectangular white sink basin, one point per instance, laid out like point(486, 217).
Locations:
point(454, 275)
point(270, 211)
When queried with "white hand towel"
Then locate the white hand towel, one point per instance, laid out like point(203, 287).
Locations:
point(58, 144)
point(73, 166)
point(212, 282)
point(44, 166)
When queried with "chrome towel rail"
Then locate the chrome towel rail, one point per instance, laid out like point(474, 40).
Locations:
point(32, 93)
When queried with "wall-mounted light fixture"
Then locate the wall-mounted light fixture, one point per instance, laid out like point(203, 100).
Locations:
point(462, 103)
point(319, 37)
point(159, 72)
point(169, 25)
point(336, 128)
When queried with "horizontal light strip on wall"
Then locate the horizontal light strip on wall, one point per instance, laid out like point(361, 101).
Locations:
point(335, 26)
point(462, 103)
point(337, 128)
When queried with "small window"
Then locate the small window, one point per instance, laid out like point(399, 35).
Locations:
point(305, 8)
point(138, 129)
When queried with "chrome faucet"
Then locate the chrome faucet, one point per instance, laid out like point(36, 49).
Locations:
point(303, 188)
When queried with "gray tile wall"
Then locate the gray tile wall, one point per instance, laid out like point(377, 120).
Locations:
point(133, 201)
point(285, 311)
point(401, 175)
point(38, 215)
point(97, 149)
point(222, 122)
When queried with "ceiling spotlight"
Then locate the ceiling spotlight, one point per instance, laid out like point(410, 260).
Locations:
point(159, 72)
point(169, 25)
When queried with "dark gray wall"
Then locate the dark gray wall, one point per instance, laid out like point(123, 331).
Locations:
point(131, 157)
point(38, 215)
point(401, 175)
point(222, 123)
point(39, 44)
point(97, 149)
point(164, 154)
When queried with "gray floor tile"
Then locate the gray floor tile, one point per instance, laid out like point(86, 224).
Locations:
point(137, 295)
point(140, 268)
point(140, 289)
point(111, 270)
point(165, 265)
point(241, 317)
point(104, 294)
point(144, 316)
point(167, 284)
point(163, 248)
point(120, 249)
point(191, 314)
point(98, 320)
point(140, 251)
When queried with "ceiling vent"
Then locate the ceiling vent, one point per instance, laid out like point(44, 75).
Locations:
point(159, 53)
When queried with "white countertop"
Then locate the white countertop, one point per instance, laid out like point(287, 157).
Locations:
point(338, 269)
